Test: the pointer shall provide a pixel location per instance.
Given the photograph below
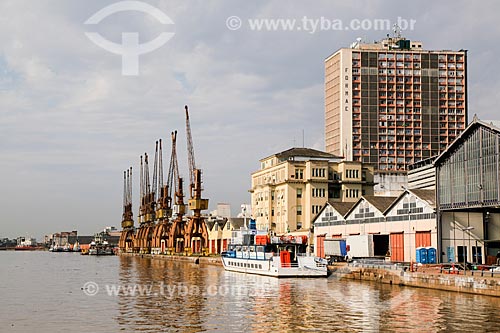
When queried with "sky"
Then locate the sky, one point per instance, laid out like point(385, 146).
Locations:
point(71, 122)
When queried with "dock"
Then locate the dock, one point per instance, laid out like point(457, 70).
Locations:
point(473, 282)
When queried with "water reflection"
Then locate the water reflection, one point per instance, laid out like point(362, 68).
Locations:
point(206, 298)
point(42, 292)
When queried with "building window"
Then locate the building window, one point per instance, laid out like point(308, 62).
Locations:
point(299, 210)
point(299, 174)
point(316, 172)
point(299, 193)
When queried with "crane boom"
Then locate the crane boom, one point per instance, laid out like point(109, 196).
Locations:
point(196, 233)
point(154, 190)
point(190, 148)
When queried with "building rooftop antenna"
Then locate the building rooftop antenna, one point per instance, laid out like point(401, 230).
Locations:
point(397, 30)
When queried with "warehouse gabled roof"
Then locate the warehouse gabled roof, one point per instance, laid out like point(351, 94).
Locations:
point(379, 202)
point(428, 196)
point(476, 122)
point(342, 207)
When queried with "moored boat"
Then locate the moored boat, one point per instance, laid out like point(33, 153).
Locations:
point(98, 248)
point(27, 244)
point(255, 252)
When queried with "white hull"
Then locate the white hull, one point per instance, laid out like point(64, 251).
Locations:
point(305, 267)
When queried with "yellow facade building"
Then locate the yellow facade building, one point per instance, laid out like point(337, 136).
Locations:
point(291, 187)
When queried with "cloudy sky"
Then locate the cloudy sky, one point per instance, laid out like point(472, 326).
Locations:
point(70, 122)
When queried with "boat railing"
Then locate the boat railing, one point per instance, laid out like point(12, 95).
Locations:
point(289, 265)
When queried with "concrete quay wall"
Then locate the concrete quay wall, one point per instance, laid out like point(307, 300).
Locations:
point(213, 260)
point(478, 285)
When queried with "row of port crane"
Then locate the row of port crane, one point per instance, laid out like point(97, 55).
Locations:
point(164, 227)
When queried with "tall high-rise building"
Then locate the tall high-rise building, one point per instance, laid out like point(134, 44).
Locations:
point(392, 103)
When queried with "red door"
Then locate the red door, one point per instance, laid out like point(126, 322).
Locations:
point(320, 246)
point(224, 245)
point(423, 239)
point(397, 247)
point(196, 246)
point(218, 250)
point(212, 246)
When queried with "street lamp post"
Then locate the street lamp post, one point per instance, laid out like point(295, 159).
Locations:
point(244, 213)
point(468, 229)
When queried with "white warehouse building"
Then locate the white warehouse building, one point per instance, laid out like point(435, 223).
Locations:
point(399, 225)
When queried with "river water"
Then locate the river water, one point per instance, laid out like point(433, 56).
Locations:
point(66, 292)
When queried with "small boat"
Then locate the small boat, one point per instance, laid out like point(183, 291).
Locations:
point(84, 249)
point(27, 244)
point(100, 249)
point(77, 247)
point(255, 252)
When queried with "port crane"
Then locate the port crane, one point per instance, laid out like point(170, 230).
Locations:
point(175, 182)
point(127, 236)
point(196, 232)
point(163, 205)
point(147, 208)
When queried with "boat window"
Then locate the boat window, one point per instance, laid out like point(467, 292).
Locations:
point(260, 266)
point(260, 249)
point(245, 248)
point(252, 249)
point(238, 248)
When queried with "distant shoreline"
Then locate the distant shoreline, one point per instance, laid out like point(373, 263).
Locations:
point(13, 248)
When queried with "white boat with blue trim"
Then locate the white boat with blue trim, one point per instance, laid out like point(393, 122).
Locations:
point(255, 252)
